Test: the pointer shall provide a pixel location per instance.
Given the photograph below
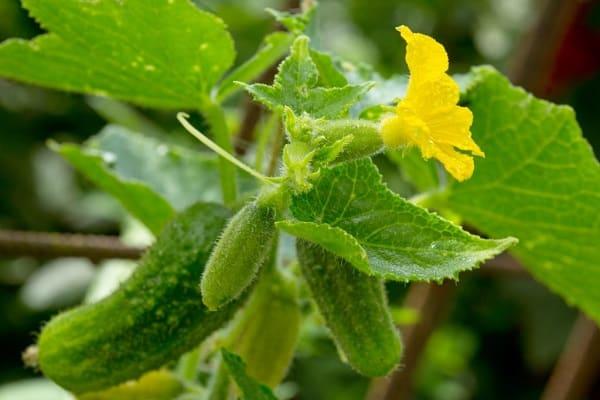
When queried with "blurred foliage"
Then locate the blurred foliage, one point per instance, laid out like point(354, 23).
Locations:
point(496, 342)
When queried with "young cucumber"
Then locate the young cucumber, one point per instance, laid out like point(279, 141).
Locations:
point(238, 255)
point(266, 330)
point(150, 320)
point(355, 309)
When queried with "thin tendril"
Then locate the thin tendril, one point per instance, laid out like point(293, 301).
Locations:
point(182, 118)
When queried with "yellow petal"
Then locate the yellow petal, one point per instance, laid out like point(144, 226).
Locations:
point(426, 58)
point(429, 116)
point(433, 96)
point(460, 166)
point(452, 127)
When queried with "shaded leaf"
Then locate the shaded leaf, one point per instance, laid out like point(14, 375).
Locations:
point(250, 388)
point(149, 178)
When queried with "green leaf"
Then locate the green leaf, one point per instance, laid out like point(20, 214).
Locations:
point(275, 46)
point(329, 74)
point(180, 175)
point(149, 178)
point(540, 182)
point(168, 54)
point(402, 241)
point(295, 86)
point(295, 22)
point(384, 91)
point(250, 388)
point(334, 239)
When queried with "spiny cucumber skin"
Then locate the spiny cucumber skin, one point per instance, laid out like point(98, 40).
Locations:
point(238, 255)
point(150, 320)
point(265, 332)
point(355, 310)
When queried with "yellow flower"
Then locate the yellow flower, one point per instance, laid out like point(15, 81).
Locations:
point(429, 116)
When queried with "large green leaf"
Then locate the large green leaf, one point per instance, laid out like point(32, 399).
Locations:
point(149, 178)
point(250, 388)
point(540, 182)
point(159, 53)
point(402, 241)
point(295, 86)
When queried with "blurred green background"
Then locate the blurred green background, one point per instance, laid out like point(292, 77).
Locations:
point(502, 335)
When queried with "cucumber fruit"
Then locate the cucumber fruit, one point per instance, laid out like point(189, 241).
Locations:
point(354, 306)
point(238, 255)
point(266, 330)
point(153, 318)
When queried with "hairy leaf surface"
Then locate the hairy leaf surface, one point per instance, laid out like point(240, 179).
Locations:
point(296, 86)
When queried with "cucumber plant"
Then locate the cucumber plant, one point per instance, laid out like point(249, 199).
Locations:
point(332, 123)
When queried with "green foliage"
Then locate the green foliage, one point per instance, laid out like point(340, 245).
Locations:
point(238, 255)
point(424, 175)
point(151, 179)
point(539, 182)
point(274, 46)
point(399, 241)
point(266, 331)
point(355, 309)
point(154, 317)
point(295, 86)
point(250, 388)
point(383, 94)
point(295, 22)
point(168, 55)
point(329, 74)
point(156, 385)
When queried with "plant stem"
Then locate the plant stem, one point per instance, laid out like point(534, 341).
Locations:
point(263, 140)
point(276, 151)
point(215, 116)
